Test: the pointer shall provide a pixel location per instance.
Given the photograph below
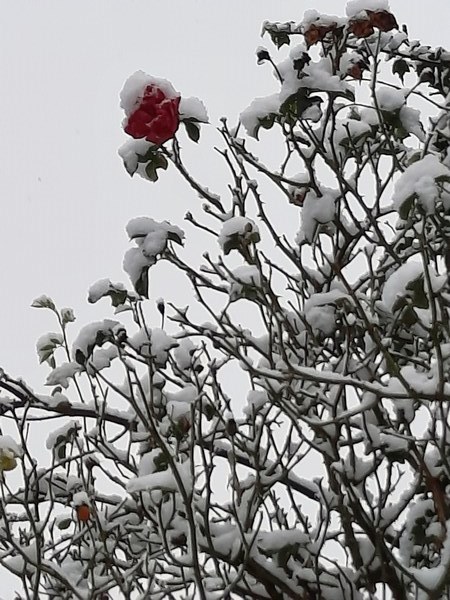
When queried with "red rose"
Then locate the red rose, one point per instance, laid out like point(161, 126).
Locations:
point(316, 33)
point(155, 118)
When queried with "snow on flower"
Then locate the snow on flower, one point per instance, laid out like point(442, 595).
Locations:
point(151, 106)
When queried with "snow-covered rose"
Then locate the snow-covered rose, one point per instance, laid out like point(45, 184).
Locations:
point(155, 116)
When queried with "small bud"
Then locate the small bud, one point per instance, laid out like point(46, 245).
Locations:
point(83, 513)
point(262, 55)
point(161, 306)
point(231, 427)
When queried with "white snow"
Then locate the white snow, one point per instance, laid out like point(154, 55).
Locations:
point(255, 401)
point(193, 108)
point(354, 7)
point(129, 152)
point(390, 99)
point(184, 353)
point(62, 374)
point(153, 343)
point(140, 228)
point(151, 238)
point(102, 359)
point(258, 110)
point(147, 464)
point(9, 447)
point(237, 226)
point(395, 285)
point(80, 498)
point(61, 432)
point(179, 403)
point(100, 288)
point(418, 179)
point(398, 281)
point(410, 118)
point(134, 262)
point(276, 540)
point(47, 343)
point(244, 276)
point(313, 16)
point(86, 338)
point(162, 480)
point(320, 310)
point(134, 88)
point(316, 211)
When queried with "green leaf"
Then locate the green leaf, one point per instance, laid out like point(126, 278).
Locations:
point(64, 523)
point(280, 38)
point(141, 284)
point(157, 161)
point(174, 237)
point(192, 130)
point(400, 67)
point(419, 297)
point(409, 317)
point(151, 172)
point(80, 357)
point(406, 208)
point(160, 161)
point(143, 158)
point(267, 121)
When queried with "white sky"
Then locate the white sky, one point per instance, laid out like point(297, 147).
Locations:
point(65, 195)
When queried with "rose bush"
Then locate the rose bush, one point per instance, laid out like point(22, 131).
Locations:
point(156, 116)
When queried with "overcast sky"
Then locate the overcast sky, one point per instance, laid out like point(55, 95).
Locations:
point(65, 195)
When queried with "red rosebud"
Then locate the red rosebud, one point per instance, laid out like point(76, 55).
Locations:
point(155, 118)
point(83, 513)
point(383, 20)
point(361, 28)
